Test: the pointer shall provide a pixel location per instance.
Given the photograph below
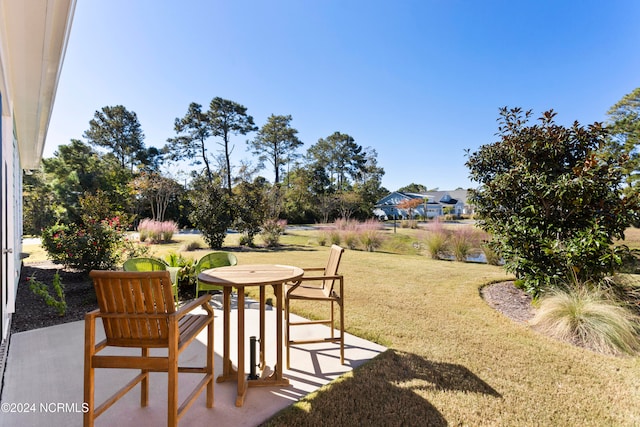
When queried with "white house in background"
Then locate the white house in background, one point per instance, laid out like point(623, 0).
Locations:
point(435, 203)
point(33, 40)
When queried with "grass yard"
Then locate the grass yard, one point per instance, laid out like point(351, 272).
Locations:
point(452, 360)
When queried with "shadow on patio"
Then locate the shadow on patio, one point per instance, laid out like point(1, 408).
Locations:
point(43, 380)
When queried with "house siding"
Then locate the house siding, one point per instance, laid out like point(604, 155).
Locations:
point(437, 205)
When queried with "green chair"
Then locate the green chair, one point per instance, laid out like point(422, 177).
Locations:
point(212, 260)
point(152, 264)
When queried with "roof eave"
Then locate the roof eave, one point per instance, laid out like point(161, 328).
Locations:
point(34, 36)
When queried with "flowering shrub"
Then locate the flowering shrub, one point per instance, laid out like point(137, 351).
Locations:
point(157, 231)
point(88, 246)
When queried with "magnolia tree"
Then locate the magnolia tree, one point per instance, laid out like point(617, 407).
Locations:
point(552, 199)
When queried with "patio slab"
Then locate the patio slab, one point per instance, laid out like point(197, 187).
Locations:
point(43, 379)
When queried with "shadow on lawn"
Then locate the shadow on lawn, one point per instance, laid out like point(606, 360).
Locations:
point(383, 392)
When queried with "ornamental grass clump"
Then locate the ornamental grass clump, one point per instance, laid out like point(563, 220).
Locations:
point(590, 318)
point(436, 239)
point(462, 243)
point(370, 235)
point(157, 231)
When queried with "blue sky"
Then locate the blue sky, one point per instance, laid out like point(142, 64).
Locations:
point(418, 81)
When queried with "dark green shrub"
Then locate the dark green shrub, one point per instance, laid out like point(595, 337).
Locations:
point(211, 214)
point(550, 196)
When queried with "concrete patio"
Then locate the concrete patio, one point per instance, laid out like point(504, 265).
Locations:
point(43, 379)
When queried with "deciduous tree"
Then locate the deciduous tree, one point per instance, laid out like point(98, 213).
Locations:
point(156, 191)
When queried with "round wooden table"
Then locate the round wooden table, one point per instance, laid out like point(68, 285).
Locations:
point(239, 277)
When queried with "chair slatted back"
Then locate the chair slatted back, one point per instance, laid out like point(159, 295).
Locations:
point(335, 254)
point(144, 264)
point(216, 259)
point(135, 306)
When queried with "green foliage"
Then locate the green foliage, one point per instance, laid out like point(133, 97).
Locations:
point(413, 188)
point(39, 203)
point(276, 143)
point(186, 273)
point(212, 213)
point(193, 130)
point(624, 126)
point(550, 197)
point(250, 206)
point(118, 130)
point(335, 237)
point(58, 302)
point(77, 170)
point(341, 157)
point(227, 118)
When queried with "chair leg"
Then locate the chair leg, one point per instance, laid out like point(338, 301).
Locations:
point(89, 372)
point(172, 381)
point(286, 330)
point(340, 305)
point(210, 356)
point(144, 384)
point(333, 325)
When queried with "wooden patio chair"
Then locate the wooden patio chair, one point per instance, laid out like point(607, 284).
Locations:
point(150, 264)
point(323, 284)
point(212, 260)
point(137, 310)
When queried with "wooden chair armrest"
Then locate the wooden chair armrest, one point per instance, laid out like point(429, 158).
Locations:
point(190, 306)
point(316, 278)
point(313, 269)
point(91, 316)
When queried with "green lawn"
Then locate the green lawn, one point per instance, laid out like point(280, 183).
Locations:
point(452, 360)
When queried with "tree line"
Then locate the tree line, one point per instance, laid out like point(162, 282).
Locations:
point(335, 177)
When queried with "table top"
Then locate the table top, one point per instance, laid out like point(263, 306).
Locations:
point(251, 275)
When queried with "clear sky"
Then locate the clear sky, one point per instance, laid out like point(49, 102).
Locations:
point(418, 81)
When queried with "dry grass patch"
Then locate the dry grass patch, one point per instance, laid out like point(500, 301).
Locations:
point(452, 359)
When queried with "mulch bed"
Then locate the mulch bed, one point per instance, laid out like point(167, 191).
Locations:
point(31, 310)
point(509, 300)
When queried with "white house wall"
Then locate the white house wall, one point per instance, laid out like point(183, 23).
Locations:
point(33, 39)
